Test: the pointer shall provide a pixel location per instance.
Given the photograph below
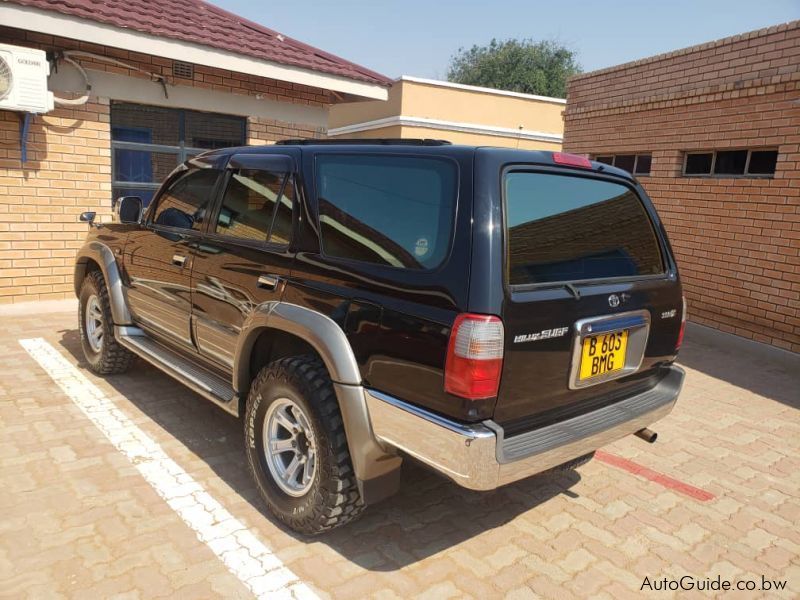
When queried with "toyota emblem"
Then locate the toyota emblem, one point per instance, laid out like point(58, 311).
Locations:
point(613, 301)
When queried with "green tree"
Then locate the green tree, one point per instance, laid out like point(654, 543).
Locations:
point(517, 65)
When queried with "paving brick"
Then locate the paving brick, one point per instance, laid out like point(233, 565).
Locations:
point(77, 528)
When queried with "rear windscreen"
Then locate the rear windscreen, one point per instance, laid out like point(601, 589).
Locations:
point(565, 228)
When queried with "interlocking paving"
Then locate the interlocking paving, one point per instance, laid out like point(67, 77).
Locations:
point(80, 521)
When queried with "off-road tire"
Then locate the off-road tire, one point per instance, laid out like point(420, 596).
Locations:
point(112, 357)
point(333, 499)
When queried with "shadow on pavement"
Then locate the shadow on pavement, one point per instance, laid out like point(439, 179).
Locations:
point(761, 369)
point(428, 515)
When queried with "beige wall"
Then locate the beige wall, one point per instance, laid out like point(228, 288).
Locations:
point(468, 107)
point(481, 108)
point(456, 137)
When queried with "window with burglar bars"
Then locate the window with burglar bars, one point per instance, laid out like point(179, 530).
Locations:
point(148, 142)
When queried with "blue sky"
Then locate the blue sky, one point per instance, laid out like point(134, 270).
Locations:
point(415, 37)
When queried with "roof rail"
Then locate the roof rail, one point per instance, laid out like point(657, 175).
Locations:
point(365, 142)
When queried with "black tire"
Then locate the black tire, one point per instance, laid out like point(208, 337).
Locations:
point(333, 498)
point(111, 357)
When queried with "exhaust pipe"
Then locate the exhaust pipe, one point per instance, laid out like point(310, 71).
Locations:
point(648, 435)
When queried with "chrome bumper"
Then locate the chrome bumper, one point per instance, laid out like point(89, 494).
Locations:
point(479, 457)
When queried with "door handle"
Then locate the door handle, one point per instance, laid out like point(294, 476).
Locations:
point(269, 282)
point(178, 260)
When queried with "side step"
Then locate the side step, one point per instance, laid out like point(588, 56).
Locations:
point(205, 383)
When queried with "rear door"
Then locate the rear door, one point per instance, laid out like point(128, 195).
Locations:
point(591, 300)
point(245, 258)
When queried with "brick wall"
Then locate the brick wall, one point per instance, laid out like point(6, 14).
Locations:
point(737, 240)
point(69, 166)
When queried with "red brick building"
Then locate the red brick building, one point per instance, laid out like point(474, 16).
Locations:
point(169, 79)
point(713, 134)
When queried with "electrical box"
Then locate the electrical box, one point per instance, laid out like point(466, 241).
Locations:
point(23, 80)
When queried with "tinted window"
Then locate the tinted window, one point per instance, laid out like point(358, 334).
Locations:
point(643, 163)
point(148, 142)
point(698, 164)
point(763, 162)
point(248, 206)
point(185, 203)
point(389, 210)
point(563, 228)
point(625, 161)
point(730, 162)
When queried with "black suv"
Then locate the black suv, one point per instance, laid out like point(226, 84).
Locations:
point(491, 313)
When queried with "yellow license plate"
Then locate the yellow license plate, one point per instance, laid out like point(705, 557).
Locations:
point(603, 353)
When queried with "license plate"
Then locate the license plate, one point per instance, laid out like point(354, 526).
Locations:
point(603, 353)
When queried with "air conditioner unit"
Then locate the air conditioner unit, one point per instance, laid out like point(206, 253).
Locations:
point(23, 80)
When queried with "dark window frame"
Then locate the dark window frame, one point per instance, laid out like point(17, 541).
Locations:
point(745, 175)
point(636, 155)
point(182, 151)
point(425, 271)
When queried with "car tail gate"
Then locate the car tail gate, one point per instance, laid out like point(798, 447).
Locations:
point(592, 303)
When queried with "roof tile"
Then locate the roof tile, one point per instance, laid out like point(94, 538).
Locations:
point(199, 22)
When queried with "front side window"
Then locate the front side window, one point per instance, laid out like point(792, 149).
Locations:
point(567, 228)
point(389, 210)
point(257, 206)
point(186, 202)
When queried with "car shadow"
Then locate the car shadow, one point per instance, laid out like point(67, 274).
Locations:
point(428, 515)
point(761, 369)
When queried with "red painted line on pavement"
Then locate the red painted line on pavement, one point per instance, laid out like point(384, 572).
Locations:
point(654, 476)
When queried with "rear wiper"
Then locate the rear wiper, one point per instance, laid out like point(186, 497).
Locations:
point(573, 290)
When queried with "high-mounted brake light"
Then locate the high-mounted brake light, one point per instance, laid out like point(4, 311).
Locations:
point(683, 323)
point(571, 160)
point(474, 357)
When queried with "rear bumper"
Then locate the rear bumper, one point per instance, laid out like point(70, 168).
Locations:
point(479, 457)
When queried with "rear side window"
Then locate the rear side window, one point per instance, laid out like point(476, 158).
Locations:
point(257, 206)
point(564, 228)
point(388, 210)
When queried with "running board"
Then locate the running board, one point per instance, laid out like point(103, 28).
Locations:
point(205, 383)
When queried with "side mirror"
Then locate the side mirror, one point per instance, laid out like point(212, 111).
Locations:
point(88, 217)
point(129, 209)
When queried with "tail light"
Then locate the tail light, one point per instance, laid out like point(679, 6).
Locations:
point(683, 323)
point(474, 357)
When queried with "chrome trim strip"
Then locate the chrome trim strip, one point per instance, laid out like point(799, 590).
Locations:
point(475, 456)
point(637, 322)
point(466, 454)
